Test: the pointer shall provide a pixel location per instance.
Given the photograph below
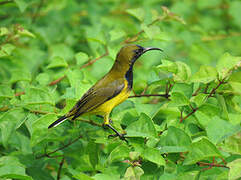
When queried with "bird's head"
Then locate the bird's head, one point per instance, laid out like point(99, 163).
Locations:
point(130, 53)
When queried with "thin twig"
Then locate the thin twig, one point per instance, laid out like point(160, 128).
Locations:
point(39, 112)
point(57, 80)
point(60, 168)
point(214, 89)
point(196, 92)
point(58, 149)
point(96, 59)
point(211, 164)
point(135, 36)
point(19, 93)
point(149, 95)
point(189, 114)
point(210, 95)
point(84, 66)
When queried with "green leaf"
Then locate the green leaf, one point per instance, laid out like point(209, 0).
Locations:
point(37, 96)
point(168, 66)
point(9, 122)
point(226, 64)
point(119, 153)
point(218, 129)
point(106, 176)
point(83, 176)
point(149, 109)
point(133, 173)
point(138, 13)
point(143, 127)
point(22, 5)
point(81, 58)
point(40, 128)
point(234, 172)
point(183, 73)
point(153, 32)
point(199, 99)
point(205, 74)
point(93, 153)
point(20, 75)
point(154, 155)
point(6, 91)
point(116, 34)
point(25, 32)
point(10, 167)
point(201, 150)
point(57, 62)
point(3, 31)
point(232, 144)
point(43, 78)
point(176, 140)
point(6, 50)
point(178, 99)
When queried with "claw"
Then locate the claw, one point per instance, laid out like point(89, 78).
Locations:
point(121, 136)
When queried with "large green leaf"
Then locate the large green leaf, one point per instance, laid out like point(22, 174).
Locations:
point(201, 150)
point(143, 127)
point(226, 64)
point(10, 167)
point(234, 172)
point(205, 74)
point(9, 122)
point(176, 140)
point(40, 128)
point(119, 153)
point(218, 129)
point(154, 156)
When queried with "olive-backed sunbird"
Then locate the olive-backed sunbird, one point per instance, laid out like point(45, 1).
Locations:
point(111, 90)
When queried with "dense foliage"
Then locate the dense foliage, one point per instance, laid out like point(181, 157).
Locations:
point(182, 120)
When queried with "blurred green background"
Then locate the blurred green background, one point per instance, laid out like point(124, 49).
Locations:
point(43, 41)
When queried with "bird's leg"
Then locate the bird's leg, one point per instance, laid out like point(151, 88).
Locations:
point(110, 121)
point(107, 124)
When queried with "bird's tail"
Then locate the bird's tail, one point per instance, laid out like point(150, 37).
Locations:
point(58, 121)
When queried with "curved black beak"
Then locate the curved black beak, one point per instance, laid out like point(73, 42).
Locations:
point(151, 48)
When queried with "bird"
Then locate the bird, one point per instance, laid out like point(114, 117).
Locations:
point(111, 90)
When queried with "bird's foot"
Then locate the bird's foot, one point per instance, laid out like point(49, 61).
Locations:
point(121, 136)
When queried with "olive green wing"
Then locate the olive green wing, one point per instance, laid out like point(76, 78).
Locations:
point(95, 96)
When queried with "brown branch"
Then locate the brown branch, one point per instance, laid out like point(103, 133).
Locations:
point(39, 112)
point(211, 164)
point(135, 36)
point(189, 114)
point(5, 2)
point(58, 149)
point(196, 92)
point(214, 89)
point(149, 95)
point(85, 65)
point(56, 81)
point(96, 59)
point(60, 168)
point(220, 37)
point(4, 108)
point(20, 93)
point(210, 95)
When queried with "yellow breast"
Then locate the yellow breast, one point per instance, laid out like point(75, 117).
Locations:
point(107, 107)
